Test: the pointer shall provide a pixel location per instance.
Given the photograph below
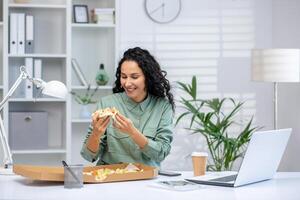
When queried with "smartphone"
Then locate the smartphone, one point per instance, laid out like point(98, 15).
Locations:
point(168, 173)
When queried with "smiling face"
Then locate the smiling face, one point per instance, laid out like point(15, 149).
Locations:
point(133, 81)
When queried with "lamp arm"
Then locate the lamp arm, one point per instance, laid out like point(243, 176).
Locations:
point(23, 75)
point(7, 152)
point(7, 160)
point(39, 83)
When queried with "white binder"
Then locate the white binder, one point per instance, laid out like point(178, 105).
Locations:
point(21, 33)
point(37, 68)
point(29, 41)
point(79, 72)
point(13, 33)
point(29, 85)
point(37, 71)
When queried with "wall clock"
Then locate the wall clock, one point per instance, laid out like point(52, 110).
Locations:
point(162, 11)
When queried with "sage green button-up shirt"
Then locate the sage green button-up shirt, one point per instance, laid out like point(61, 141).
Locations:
point(153, 117)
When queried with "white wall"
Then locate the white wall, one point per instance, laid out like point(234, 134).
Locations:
point(224, 31)
point(286, 34)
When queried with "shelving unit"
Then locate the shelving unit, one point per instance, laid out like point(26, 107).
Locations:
point(99, 41)
point(46, 6)
point(47, 151)
point(38, 56)
point(106, 87)
point(81, 120)
point(93, 25)
point(57, 39)
point(36, 100)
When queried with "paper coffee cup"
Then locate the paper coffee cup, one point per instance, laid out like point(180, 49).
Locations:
point(199, 163)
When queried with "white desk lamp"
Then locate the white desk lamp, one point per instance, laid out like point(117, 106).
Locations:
point(52, 88)
point(276, 65)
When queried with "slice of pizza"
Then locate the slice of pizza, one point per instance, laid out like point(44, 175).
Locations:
point(106, 112)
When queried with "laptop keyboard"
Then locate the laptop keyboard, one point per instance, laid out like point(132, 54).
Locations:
point(225, 178)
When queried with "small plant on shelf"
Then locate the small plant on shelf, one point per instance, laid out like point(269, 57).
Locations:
point(86, 98)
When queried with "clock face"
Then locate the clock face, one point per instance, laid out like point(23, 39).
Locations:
point(163, 11)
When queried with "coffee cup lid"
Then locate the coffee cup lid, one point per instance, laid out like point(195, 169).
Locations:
point(199, 154)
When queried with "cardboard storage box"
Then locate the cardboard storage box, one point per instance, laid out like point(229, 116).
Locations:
point(46, 173)
point(28, 130)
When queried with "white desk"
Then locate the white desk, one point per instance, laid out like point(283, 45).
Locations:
point(284, 186)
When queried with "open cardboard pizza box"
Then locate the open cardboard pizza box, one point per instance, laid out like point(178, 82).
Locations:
point(47, 173)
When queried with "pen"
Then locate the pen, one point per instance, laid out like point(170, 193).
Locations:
point(70, 170)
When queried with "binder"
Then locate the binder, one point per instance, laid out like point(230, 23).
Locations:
point(37, 71)
point(29, 36)
point(21, 33)
point(37, 68)
point(13, 33)
point(78, 72)
point(29, 85)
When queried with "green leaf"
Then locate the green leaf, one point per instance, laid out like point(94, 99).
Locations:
point(194, 88)
point(181, 116)
point(184, 87)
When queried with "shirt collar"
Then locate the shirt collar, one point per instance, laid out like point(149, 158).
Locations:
point(132, 104)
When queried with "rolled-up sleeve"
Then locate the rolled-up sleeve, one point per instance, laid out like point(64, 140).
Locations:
point(85, 152)
point(159, 146)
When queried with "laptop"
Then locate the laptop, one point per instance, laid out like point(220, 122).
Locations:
point(260, 162)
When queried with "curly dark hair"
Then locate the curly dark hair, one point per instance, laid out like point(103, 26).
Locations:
point(156, 82)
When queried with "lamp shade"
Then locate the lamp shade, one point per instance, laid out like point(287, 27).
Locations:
point(276, 65)
point(55, 89)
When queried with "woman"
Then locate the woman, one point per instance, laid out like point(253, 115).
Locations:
point(142, 130)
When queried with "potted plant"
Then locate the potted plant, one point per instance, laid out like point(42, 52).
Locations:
point(84, 100)
point(208, 118)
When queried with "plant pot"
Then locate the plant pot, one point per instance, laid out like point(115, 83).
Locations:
point(85, 113)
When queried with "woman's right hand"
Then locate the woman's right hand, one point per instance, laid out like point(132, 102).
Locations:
point(99, 125)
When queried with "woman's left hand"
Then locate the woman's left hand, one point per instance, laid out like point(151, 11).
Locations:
point(124, 124)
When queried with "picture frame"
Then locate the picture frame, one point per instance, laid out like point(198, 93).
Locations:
point(80, 14)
